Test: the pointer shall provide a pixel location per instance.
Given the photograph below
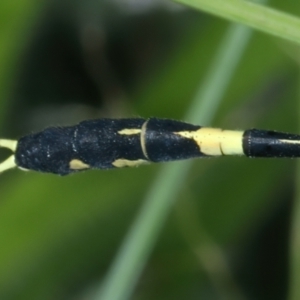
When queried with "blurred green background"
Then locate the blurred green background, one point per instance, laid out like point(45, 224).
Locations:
point(64, 61)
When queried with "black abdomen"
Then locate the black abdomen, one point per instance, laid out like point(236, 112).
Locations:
point(106, 143)
point(164, 144)
point(100, 143)
point(265, 143)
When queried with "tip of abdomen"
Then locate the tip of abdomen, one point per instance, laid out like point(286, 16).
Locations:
point(263, 143)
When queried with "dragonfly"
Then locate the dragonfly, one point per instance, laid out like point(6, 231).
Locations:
point(115, 143)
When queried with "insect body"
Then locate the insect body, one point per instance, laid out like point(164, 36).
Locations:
point(109, 143)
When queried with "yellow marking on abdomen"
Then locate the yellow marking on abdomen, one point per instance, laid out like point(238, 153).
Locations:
point(77, 164)
point(122, 162)
point(128, 131)
point(143, 139)
point(215, 141)
point(289, 141)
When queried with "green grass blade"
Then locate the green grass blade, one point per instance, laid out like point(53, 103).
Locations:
point(265, 19)
point(132, 257)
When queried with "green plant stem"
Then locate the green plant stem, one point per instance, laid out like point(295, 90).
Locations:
point(265, 19)
point(138, 244)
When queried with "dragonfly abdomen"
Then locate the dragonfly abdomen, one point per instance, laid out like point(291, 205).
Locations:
point(265, 143)
point(116, 143)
